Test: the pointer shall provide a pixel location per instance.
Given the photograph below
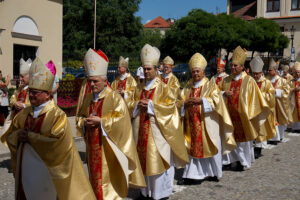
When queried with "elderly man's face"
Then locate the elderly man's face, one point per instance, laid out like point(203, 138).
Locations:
point(297, 73)
point(256, 75)
point(220, 70)
point(167, 69)
point(149, 72)
point(197, 74)
point(122, 70)
point(272, 72)
point(38, 97)
point(236, 69)
point(97, 83)
point(24, 79)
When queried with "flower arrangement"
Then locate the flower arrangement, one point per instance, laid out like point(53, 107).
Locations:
point(66, 102)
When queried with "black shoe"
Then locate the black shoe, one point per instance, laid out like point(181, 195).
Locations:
point(289, 130)
point(239, 167)
point(273, 142)
point(142, 197)
point(226, 167)
point(182, 181)
point(187, 181)
point(213, 179)
point(257, 152)
point(165, 198)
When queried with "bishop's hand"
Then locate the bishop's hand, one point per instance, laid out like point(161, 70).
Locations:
point(23, 136)
point(92, 121)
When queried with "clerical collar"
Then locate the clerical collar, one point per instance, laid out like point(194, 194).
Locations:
point(38, 109)
point(97, 95)
point(220, 75)
point(298, 79)
point(25, 88)
point(148, 84)
point(197, 84)
point(167, 75)
point(273, 79)
point(261, 77)
point(123, 76)
point(237, 77)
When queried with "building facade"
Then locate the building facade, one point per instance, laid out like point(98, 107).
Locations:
point(28, 29)
point(286, 13)
point(159, 23)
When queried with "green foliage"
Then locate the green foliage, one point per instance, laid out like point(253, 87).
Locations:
point(117, 33)
point(152, 37)
point(10, 92)
point(69, 77)
point(76, 64)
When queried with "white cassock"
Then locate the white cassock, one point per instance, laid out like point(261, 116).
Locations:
point(161, 185)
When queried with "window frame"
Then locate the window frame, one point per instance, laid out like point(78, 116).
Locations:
point(298, 5)
point(273, 6)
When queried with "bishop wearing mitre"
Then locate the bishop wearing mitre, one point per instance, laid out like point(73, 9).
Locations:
point(247, 108)
point(105, 123)
point(168, 77)
point(221, 74)
point(207, 125)
point(268, 129)
point(157, 129)
point(124, 83)
point(45, 160)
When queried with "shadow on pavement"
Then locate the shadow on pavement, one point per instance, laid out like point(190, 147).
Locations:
point(6, 164)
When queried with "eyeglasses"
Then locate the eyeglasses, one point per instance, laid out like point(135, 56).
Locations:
point(35, 92)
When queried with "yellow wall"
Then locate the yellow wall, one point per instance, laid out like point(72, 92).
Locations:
point(47, 14)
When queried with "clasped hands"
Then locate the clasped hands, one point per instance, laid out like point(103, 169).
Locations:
point(143, 104)
point(228, 93)
point(193, 101)
point(120, 91)
point(92, 121)
point(18, 105)
point(297, 89)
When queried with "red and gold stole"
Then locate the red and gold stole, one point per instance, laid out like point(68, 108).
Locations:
point(276, 110)
point(194, 113)
point(259, 84)
point(165, 80)
point(233, 108)
point(22, 95)
point(88, 89)
point(219, 79)
point(297, 98)
point(122, 85)
point(144, 130)
point(94, 151)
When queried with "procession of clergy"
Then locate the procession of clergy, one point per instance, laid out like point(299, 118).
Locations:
point(136, 134)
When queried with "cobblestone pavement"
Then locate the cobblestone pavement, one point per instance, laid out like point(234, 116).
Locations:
point(275, 175)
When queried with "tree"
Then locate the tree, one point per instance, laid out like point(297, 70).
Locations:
point(118, 30)
point(189, 35)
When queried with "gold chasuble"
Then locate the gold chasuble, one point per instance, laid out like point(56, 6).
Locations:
point(247, 108)
point(128, 84)
point(51, 138)
point(157, 137)
point(203, 131)
point(20, 94)
point(112, 160)
point(283, 114)
point(268, 129)
point(219, 78)
point(172, 82)
point(295, 101)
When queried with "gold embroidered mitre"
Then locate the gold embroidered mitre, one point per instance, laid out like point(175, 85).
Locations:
point(123, 62)
point(95, 63)
point(239, 56)
point(257, 64)
point(25, 66)
point(285, 68)
point(273, 64)
point(197, 61)
point(168, 61)
point(150, 55)
point(40, 77)
point(297, 66)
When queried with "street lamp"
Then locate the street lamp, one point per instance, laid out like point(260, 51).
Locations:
point(292, 48)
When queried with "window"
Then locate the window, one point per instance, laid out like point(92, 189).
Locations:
point(295, 4)
point(273, 5)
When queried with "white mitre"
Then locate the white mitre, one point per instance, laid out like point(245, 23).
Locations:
point(257, 64)
point(150, 55)
point(40, 77)
point(25, 66)
point(95, 63)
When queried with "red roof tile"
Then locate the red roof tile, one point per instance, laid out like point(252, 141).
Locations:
point(241, 13)
point(158, 22)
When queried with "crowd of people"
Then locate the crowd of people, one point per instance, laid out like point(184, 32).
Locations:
point(137, 133)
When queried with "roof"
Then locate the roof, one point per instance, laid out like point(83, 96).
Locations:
point(285, 17)
point(245, 12)
point(158, 22)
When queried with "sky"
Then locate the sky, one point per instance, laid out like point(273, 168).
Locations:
point(150, 9)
